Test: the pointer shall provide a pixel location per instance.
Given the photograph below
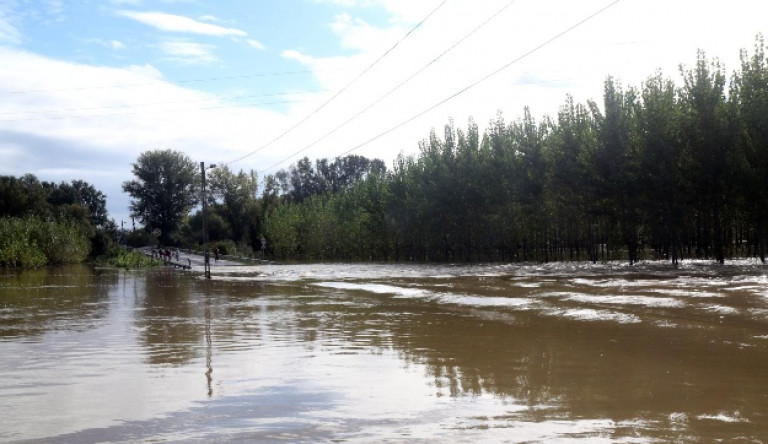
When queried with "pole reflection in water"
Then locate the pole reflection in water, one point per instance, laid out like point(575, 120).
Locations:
point(364, 353)
point(208, 343)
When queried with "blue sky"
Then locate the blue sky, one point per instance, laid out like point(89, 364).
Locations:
point(86, 86)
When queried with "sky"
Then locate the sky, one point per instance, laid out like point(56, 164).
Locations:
point(86, 86)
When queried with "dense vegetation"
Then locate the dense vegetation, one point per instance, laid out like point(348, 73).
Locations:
point(45, 223)
point(660, 171)
point(32, 242)
point(130, 259)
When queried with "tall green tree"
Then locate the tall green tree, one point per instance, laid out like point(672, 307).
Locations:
point(708, 145)
point(751, 93)
point(79, 192)
point(163, 191)
point(23, 196)
point(235, 200)
point(617, 164)
point(662, 195)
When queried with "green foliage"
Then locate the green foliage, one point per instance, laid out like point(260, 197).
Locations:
point(658, 171)
point(90, 203)
point(132, 260)
point(71, 211)
point(32, 242)
point(225, 247)
point(140, 238)
point(163, 191)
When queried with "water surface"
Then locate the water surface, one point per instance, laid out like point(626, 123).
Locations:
point(386, 353)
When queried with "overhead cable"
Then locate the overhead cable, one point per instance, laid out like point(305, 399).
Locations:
point(338, 93)
point(400, 85)
point(131, 85)
point(475, 83)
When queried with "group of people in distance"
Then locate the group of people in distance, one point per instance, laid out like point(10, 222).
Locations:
point(168, 255)
point(165, 254)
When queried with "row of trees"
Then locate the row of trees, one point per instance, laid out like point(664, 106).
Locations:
point(166, 192)
point(662, 170)
point(51, 223)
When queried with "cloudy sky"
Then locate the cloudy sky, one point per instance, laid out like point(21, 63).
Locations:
point(88, 85)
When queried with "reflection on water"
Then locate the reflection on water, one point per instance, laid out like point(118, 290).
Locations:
point(35, 301)
point(362, 353)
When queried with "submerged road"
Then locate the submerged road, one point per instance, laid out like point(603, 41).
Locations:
point(193, 259)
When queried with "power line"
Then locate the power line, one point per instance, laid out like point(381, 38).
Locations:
point(475, 83)
point(212, 107)
point(131, 85)
point(279, 102)
point(323, 105)
point(93, 116)
point(135, 105)
point(401, 84)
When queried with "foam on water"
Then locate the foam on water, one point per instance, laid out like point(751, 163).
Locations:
point(687, 293)
point(605, 283)
point(589, 314)
point(721, 309)
point(480, 301)
point(646, 301)
point(444, 298)
point(376, 288)
point(724, 417)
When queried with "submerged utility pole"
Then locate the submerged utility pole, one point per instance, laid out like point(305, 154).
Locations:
point(206, 254)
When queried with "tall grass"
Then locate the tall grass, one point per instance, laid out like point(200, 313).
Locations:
point(34, 242)
point(132, 260)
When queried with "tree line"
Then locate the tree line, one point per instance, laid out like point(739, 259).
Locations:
point(48, 223)
point(662, 171)
point(167, 192)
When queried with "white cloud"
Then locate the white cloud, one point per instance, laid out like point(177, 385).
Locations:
point(255, 44)
point(298, 56)
point(178, 23)
point(188, 52)
point(629, 41)
point(102, 129)
point(146, 70)
point(8, 33)
point(113, 44)
point(406, 11)
point(91, 122)
point(209, 18)
point(357, 34)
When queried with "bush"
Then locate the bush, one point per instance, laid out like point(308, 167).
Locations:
point(225, 247)
point(16, 247)
point(132, 259)
point(32, 242)
point(102, 243)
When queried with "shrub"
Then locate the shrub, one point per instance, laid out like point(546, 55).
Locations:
point(32, 242)
point(132, 259)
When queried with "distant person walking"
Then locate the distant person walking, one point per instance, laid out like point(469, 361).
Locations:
point(216, 254)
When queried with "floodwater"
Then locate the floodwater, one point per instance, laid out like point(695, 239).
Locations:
point(386, 353)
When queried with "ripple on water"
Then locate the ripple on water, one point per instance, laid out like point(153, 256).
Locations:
point(589, 314)
point(647, 301)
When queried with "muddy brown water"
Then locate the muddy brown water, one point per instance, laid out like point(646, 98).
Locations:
point(386, 353)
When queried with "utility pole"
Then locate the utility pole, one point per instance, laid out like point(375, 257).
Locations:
point(206, 254)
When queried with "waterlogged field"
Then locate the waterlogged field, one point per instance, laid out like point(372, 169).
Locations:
point(386, 353)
